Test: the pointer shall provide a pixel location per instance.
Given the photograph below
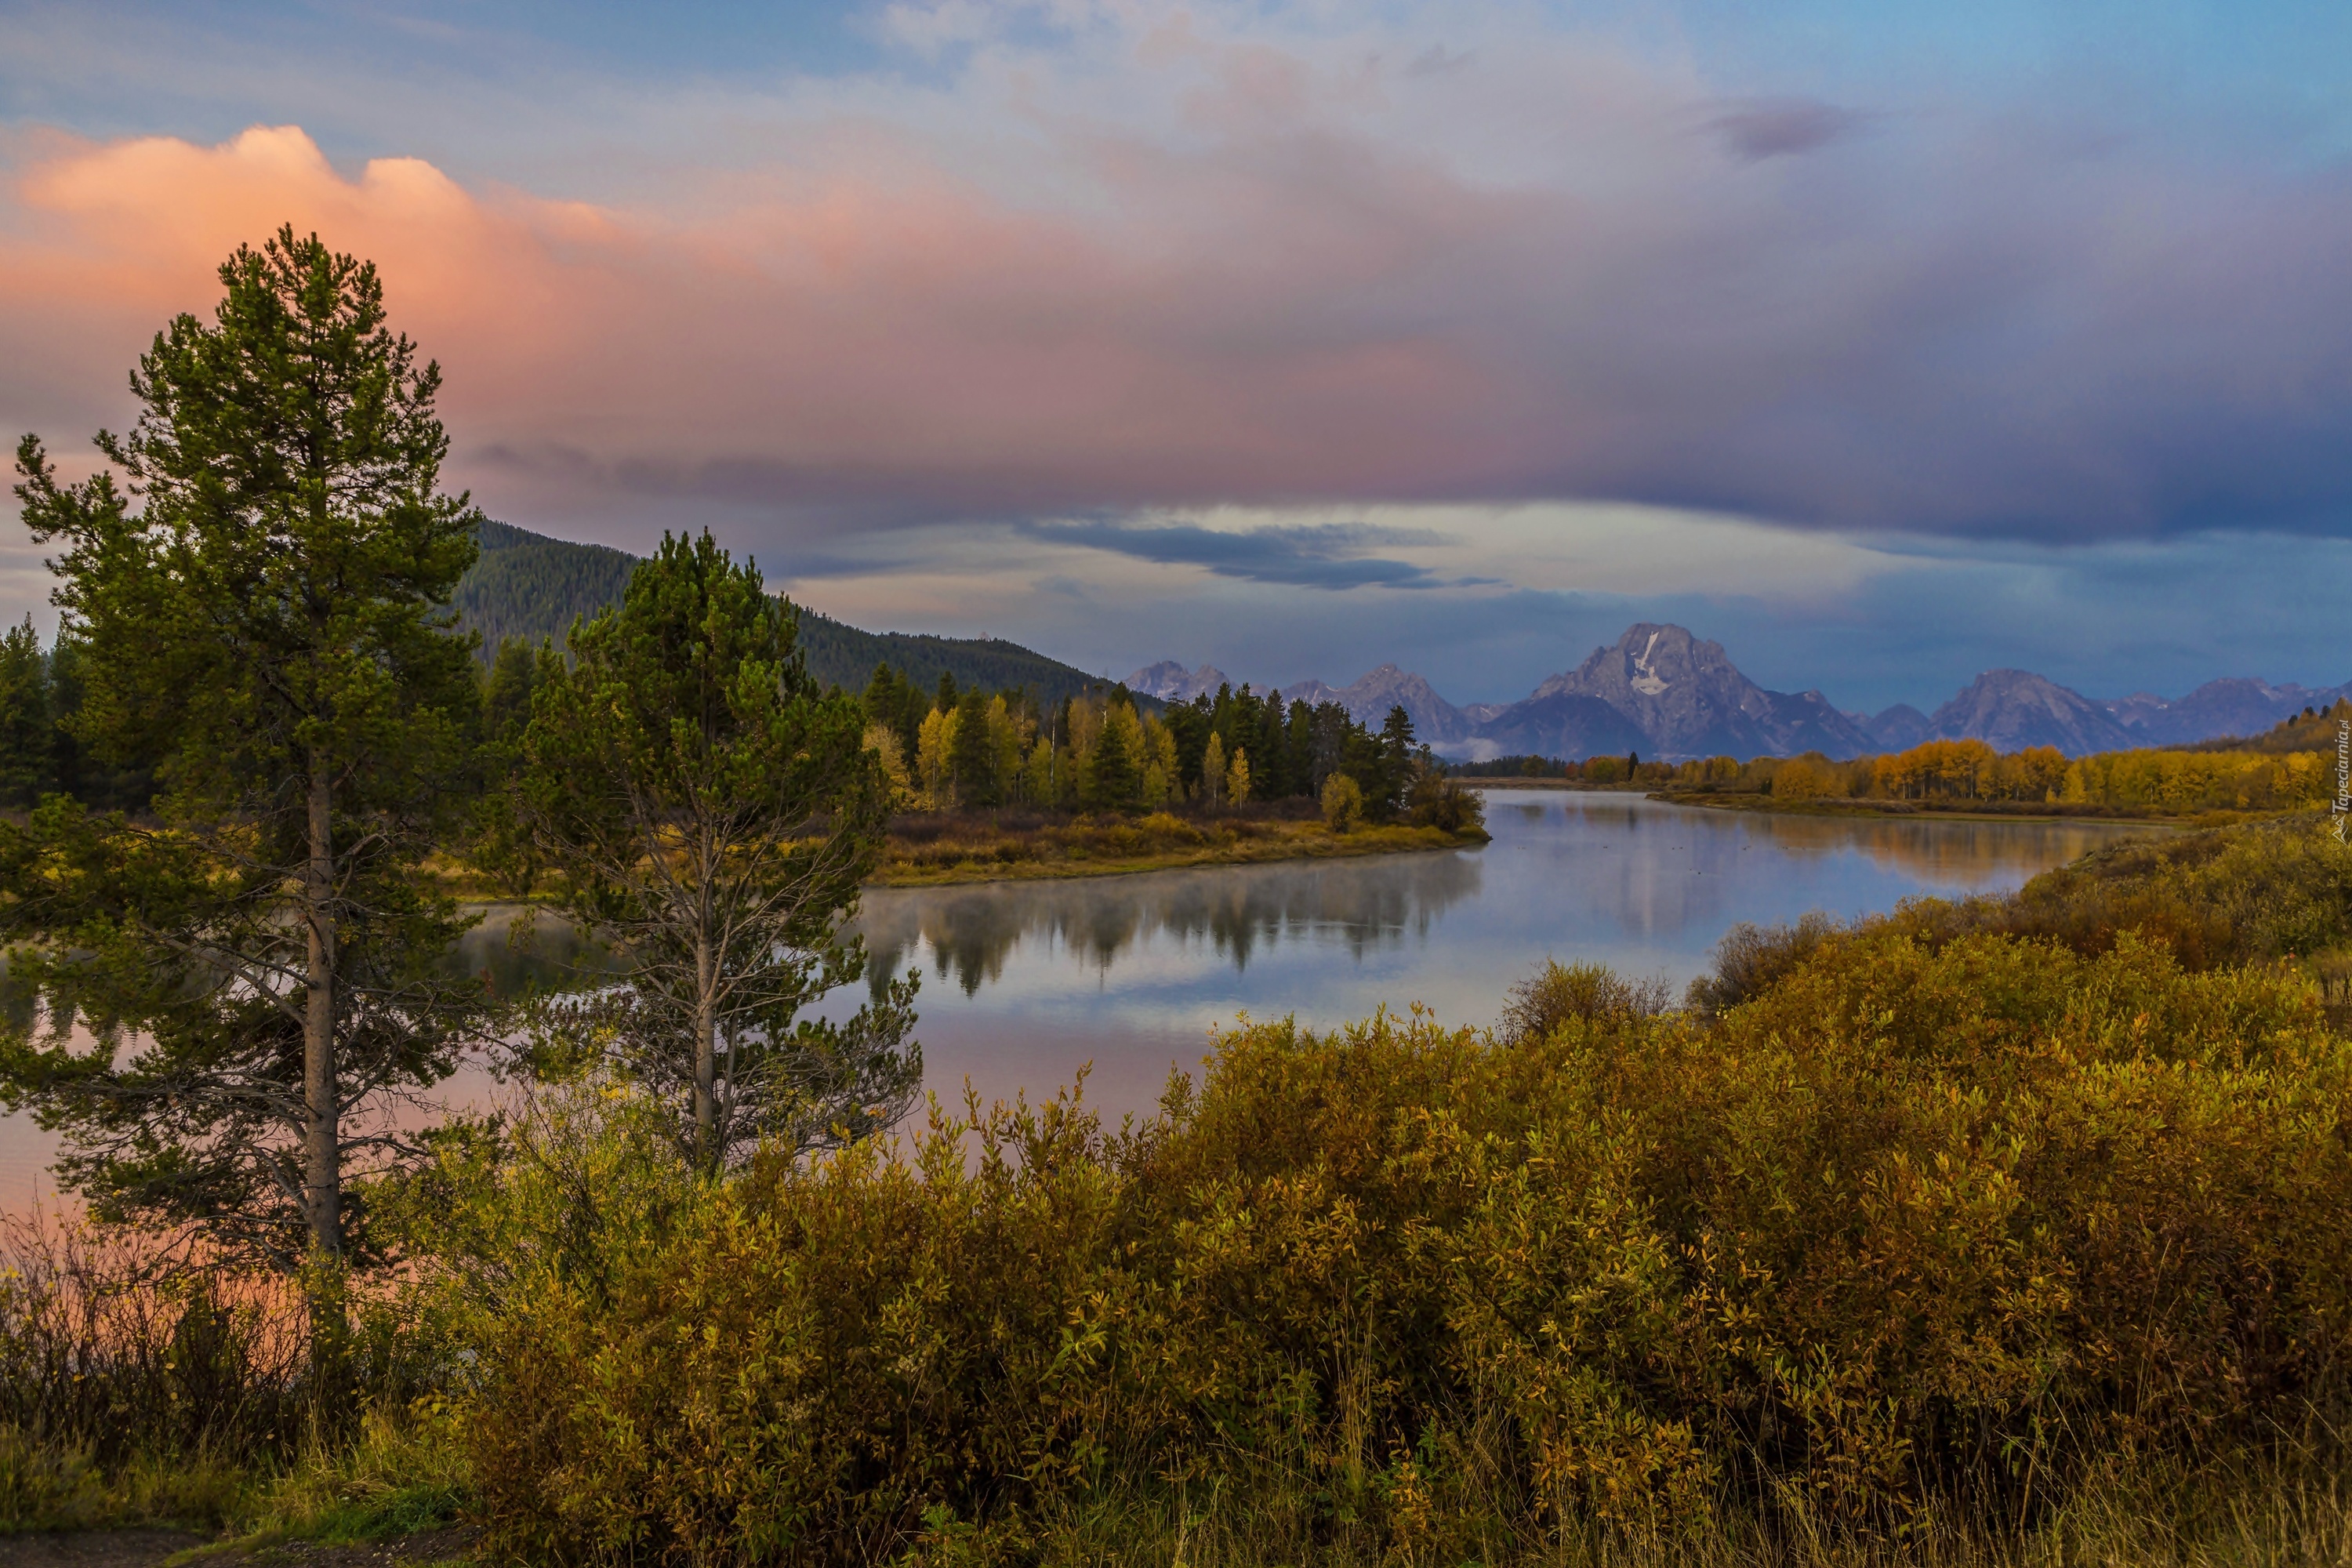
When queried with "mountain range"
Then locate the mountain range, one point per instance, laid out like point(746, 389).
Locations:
point(1667, 694)
point(1660, 691)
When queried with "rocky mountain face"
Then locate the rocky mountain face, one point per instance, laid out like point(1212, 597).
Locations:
point(2010, 710)
point(1669, 695)
point(1691, 701)
point(1564, 724)
point(1435, 720)
point(2237, 707)
point(1367, 700)
point(1171, 682)
point(1899, 729)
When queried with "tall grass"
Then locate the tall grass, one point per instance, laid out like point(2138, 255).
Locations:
point(141, 1384)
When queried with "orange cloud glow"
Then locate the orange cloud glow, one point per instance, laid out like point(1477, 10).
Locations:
point(906, 344)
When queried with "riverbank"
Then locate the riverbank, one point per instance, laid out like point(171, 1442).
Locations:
point(1975, 811)
point(939, 851)
point(925, 850)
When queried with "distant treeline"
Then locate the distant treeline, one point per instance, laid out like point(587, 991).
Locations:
point(953, 747)
point(1627, 768)
point(2291, 767)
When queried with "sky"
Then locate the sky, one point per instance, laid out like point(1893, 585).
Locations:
point(1884, 343)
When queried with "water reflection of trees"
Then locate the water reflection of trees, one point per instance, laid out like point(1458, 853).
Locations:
point(1944, 851)
point(1238, 910)
point(513, 955)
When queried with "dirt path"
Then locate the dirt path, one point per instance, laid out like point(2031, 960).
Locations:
point(150, 1548)
point(94, 1548)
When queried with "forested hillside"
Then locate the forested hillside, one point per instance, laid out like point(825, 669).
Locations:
point(844, 656)
point(531, 587)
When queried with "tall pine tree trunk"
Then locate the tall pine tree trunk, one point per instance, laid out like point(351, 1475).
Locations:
point(706, 1054)
point(322, 1183)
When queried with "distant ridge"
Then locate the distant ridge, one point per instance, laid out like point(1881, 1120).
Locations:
point(1659, 691)
point(531, 587)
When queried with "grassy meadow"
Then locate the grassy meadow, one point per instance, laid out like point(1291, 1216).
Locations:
point(2009, 1230)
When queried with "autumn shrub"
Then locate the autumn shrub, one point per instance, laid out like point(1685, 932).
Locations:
point(1751, 958)
point(1587, 992)
point(1436, 799)
point(1922, 1226)
point(2222, 896)
point(1343, 803)
point(111, 1345)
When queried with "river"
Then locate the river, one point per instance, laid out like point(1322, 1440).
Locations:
point(1024, 983)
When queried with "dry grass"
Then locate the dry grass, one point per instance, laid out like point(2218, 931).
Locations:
point(2291, 1513)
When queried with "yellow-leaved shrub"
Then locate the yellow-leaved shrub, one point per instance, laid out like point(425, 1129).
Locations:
point(1921, 1220)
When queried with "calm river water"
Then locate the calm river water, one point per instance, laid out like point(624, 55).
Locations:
point(1024, 983)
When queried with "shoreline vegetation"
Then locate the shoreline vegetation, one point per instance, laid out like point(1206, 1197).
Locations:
point(2290, 769)
point(1979, 811)
point(924, 849)
point(940, 849)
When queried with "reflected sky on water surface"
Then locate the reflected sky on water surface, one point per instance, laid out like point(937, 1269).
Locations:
point(1022, 981)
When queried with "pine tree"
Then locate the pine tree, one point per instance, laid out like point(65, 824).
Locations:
point(971, 754)
point(714, 814)
point(1115, 782)
point(506, 694)
point(1395, 766)
point(271, 621)
point(500, 845)
point(25, 760)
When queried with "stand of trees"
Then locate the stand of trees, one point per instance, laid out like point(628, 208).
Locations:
point(964, 749)
point(1972, 772)
point(260, 722)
